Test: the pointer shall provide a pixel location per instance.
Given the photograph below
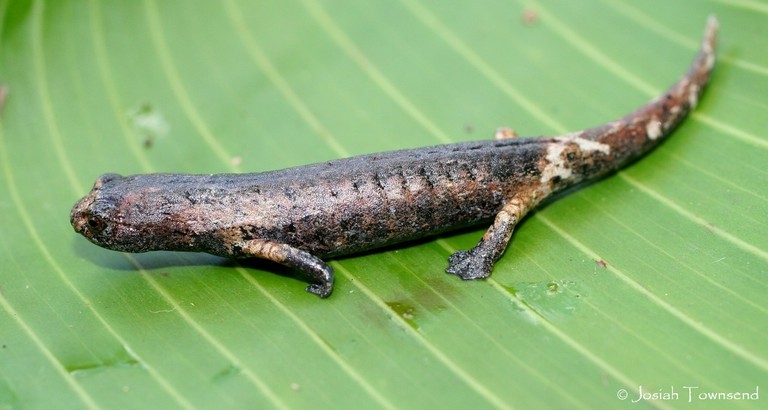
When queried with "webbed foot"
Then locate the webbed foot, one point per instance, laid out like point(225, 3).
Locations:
point(470, 265)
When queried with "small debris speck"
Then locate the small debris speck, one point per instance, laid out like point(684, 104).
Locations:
point(504, 133)
point(529, 16)
point(601, 263)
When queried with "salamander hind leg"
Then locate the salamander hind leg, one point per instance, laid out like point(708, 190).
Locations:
point(312, 266)
point(477, 263)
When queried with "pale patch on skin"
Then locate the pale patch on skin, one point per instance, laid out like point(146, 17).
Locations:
point(585, 145)
point(707, 45)
point(693, 95)
point(653, 130)
point(710, 61)
point(556, 164)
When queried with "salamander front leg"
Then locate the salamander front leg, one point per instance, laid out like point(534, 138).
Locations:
point(477, 263)
point(312, 266)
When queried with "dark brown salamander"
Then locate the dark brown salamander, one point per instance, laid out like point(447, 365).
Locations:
point(298, 215)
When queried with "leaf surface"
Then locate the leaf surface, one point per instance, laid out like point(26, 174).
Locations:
point(652, 277)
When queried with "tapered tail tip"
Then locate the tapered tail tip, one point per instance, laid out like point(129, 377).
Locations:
point(712, 23)
point(710, 33)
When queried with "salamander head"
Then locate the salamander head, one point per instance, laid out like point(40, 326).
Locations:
point(96, 217)
point(125, 214)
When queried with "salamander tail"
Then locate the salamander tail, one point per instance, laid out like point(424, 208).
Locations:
point(647, 126)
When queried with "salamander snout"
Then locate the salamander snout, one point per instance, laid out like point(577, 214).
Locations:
point(92, 220)
point(84, 220)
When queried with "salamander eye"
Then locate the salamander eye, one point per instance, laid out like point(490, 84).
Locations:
point(95, 224)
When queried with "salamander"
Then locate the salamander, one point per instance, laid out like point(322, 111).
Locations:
point(299, 216)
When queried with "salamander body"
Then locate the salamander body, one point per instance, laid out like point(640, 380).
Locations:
point(298, 216)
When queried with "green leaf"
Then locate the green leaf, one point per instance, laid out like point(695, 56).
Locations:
point(652, 277)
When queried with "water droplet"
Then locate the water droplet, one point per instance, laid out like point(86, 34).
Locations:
point(553, 298)
point(553, 287)
point(405, 311)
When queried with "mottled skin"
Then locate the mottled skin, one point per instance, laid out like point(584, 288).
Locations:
point(298, 215)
